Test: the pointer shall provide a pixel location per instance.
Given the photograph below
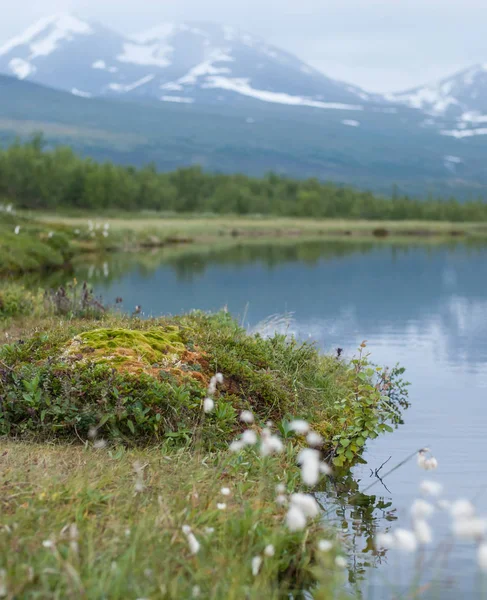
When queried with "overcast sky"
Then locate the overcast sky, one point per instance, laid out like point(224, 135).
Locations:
point(381, 45)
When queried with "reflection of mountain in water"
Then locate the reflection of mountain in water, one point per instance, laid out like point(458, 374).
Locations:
point(436, 294)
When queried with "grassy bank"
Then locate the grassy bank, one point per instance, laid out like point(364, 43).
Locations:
point(48, 241)
point(130, 471)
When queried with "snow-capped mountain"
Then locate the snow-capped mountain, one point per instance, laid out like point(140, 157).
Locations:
point(185, 63)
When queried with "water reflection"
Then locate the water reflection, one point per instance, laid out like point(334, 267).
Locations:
point(423, 306)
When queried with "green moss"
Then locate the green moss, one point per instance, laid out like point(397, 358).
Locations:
point(120, 345)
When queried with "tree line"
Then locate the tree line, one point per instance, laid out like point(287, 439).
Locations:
point(34, 177)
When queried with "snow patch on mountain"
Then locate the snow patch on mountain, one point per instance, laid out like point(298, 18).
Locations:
point(156, 55)
point(351, 123)
point(43, 37)
point(102, 66)
point(179, 99)
point(80, 93)
point(121, 87)
point(464, 133)
point(21, 68)
point(242, 86)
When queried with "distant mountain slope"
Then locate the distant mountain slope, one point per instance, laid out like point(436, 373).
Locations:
point(374, 150)
point(178, 63)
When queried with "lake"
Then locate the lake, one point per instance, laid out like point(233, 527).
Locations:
point(423, 306)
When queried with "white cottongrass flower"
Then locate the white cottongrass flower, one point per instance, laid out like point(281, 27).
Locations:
point(221, 505)
point(236, 446)
point(306, 503)
point(196, 591)
point(249, 437)
point(225, 491)
point(48, 544)
point(405, 540)
point(281, 499)
point(106, 227)
point(256, 564)
point(50, 234)
point(325, 468)
point(325, 545)
point(194, 545)
point(280, 488)
point(400, 539)
point(3, 584)
point(309, 460)
point(209, 530)
point(470, 528)
point(428, 464)
point(341, 562)
point(269, 550)
point(219, 378)
point(462, 509)
point(295, 519)
point(482, 556)
point(431, 488)
point(246, 416)
point(314, 439)
point(423, 532)
point(421, 509)
point(17, 229)
point(270, 444)
point(299, 426)
point(208, 405)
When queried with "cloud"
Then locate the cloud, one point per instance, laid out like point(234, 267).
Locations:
point(382, 46)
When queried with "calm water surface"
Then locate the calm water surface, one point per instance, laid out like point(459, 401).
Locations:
point(422, 306)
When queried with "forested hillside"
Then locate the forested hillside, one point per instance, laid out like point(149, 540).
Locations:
point(35, 178)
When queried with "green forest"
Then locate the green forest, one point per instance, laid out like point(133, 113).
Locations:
point(35, 177)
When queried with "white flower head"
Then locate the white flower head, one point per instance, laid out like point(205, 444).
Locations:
point(299, 426)
point(225, 491)
point(221, 505)
point(470, 528)
point(269, 550)
point(425, 462)
point(325, 468)
point(208, 405)
point(256, 564)
point(209, 530)
point(295, 519)
point(325, 545)
point(306, 503)
point(423, 532)
point(236, 446)
point(309, 459)
point(384, 540)
point(341, 562)
point(281, 499)
point(249, 437)
point(270, 444)
point(314, 439)
point(246, 416)
point(431, 488)
point(462, 509)
point(280, 488)
point(186, 529)
point(196, 591)
point(422, 509)
point(405, 540)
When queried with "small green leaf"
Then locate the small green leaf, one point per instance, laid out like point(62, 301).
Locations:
point(130, 425)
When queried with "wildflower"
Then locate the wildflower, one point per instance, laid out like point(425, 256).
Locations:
point(295, 519)
point(281, 499)
point(269, 550)
point(462, 509)
point(106, 227)
point(422, 509)
point(219, 378)
point(431, 488)
point(221, 506)
point(48, 544)
point(325, 545)
point(405, 540)
point(208, 405)
point(3, 585)
point(325, 468)
point(99, 444)
point(384, 540)
point(271, 444)
point(50, 234)
point(341, 562)
point(256, 564)
point(280, 488)
point(306, 503)
point(225, 491)
point(236, 446)
point(73, 537)
point(127, 533)
point(482, 556)
point(423, 532)
point(249, 437)
point(309, 460)
point(314, 439)
point(105, 233)
point(469, 527)
point(17, 229)
point(194, 545)
point(428, 464)
point(209, 530)
point(196, 592)
point(246, 416)
point(299, 426)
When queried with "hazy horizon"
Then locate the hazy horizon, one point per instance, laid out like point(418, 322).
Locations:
point(379, 48)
